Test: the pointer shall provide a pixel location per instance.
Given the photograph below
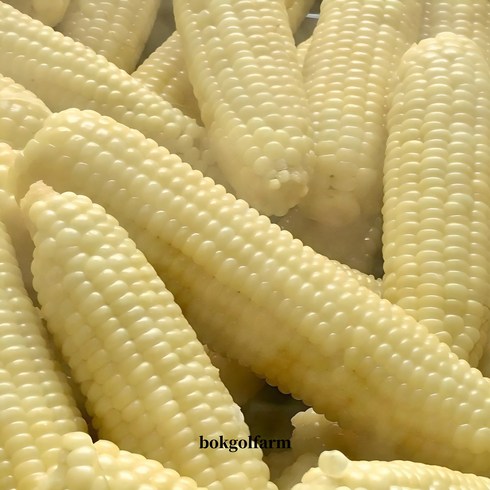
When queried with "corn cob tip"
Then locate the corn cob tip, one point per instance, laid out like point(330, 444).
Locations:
point(36, 192)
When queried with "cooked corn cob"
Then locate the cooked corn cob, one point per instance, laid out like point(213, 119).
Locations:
point(437, 192)
point(335, 471)
point(150, 386)
point(470, 19)
point(21, 113)
point(242, 63)
point(49, 12)
point(117, 29)
point(348, 74)
point(64, 73)
point(83, 465)
point(339, 347)
point(35, 399)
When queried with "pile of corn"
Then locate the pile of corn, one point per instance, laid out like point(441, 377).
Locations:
point(184, 224)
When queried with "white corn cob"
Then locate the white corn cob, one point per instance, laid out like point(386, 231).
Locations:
point(117, 29)
point(64, 73)
point(241, 61)
point(150, 386)
point(467, 18)
point(336, 471)
point(35, 399)
point(84, 465)
point(437, 192)
point(164, 70)
point(348, 74)
point(21, 113)
point(49, 12)
point(347, 353)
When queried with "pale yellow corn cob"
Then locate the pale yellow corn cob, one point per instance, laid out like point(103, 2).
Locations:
point(7, 481)
point(49, 12)
point(437, 192)
point(302, 49)
point(64, 73)
point(241, 61)
point(117, 29)
point(21, 113)
point(467, 18)
point(84, 465)
point(339, 347)
point(150, 386)
point(348, 74)
point(11, 216)
point(35, 399)
point(336, 471)
point(164, 70)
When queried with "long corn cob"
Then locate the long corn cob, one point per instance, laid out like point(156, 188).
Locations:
point(49, 12)
point(21, 113)
point(164, 70)
point(64, 73)
point(242, 63)
point(84, 465)
point(149, 384)
point(470, 19)
point(117, 30)
point(35, 399)
point(339, 347)
point(335, 471)
point(348, 74)
point(437, 192)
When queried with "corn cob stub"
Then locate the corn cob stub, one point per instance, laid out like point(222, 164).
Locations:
point(149, 384)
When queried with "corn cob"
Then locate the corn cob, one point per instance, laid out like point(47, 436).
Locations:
point(64, 73)
point(83, 464)
point(437, 192)
point(348, 74)
point(164, 70)
point(241, 61)
point(150, 386)
point(302, 49)
point(337, 471)
point(117, 30)
point(470, 19)
point(339, 347)
point(49, 12)
point(21, 113)
point(35, 398)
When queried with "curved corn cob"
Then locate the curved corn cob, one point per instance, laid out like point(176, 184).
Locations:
point(49, 12)
point(470, 19)
point(149, 384)
point(336, 471)
point(343, 350)
point(348, 74)
point(64, 73)
point(21, 113)
point(164, 70)
point(437, 192)
point(83, 464)
point(35, 399)
point(242, 63)
point(117, 30)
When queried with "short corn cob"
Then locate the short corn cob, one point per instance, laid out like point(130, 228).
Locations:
point(49, 12)
point(36, 404)
point(64, 73)
point(348, 74)
point(21, 113)
point(241, 61)
point(83, 465)
point(437, 192)
point(150, 386)
point(470, 19)
point(164, 70)
point(335, 471)
point(117, 30)
point(339, 347)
